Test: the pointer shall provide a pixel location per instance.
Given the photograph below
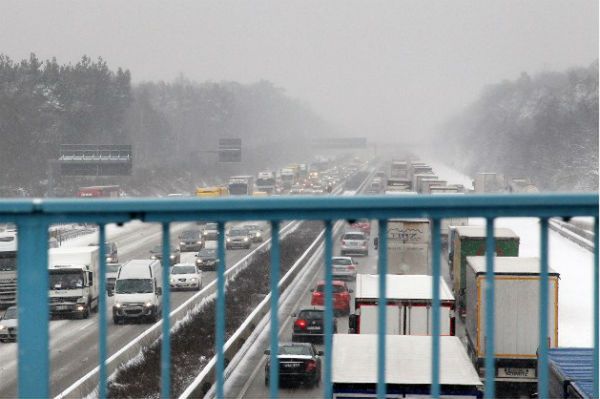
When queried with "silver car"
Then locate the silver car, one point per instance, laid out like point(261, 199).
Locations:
point(355, 243)
point(9, 325)
point(238, 238)
point(344, 267)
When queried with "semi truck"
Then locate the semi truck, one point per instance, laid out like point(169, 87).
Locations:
point(73, 281)
point(408, 246)
point(8, 269)
point(265, 182)
point(470, 241)
point(288, 178)
point(409, 305)
point(399, 170)
point(408, 367)
point(516, 317)
point(241, 185)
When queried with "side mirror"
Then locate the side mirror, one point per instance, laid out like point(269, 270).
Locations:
point(293, 314)
point(351, 290)
point(159, 291)
point(196, 255)
point(352, 321)
point(312, 290)
point(267, 352)
point(376, 242)
point(110, 292)
point(320, 353)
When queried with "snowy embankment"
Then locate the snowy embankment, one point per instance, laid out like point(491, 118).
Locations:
point(574, 263)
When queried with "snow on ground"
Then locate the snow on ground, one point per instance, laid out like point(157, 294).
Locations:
point(450, 175)
point(574, 263)
point(111, 230)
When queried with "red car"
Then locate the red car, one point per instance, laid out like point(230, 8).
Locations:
point(363, 225)
point(341, 296)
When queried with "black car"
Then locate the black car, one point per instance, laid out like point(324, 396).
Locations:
point(310, 325)
point(207, 259)
point(191, 240)
point(156, 253)
point(298, 362)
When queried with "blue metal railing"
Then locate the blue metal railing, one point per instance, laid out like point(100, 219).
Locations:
point(33, 218)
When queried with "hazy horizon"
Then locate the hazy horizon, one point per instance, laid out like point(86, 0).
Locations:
point(384, 69)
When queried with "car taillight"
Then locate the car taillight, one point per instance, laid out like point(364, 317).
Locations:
point(300, 323)
point(311, 365)
point(317, 293)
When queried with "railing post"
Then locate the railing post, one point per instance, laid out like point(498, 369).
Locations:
point(165, 349)
point(220, 309)
point(381, 305)
point(543, 320)
point(435, 331)
point(327, 391)
point(275, 264)
point(102, 312)
point(32, 304)
point(490, 366)
point(596, 312)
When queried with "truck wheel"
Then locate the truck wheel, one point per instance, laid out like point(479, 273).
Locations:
point(116, 320)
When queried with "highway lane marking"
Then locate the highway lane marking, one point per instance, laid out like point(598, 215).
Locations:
point(87, 325)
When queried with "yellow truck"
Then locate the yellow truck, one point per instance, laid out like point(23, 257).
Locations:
point(207, 192)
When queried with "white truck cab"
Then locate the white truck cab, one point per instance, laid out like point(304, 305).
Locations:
point(138, 291)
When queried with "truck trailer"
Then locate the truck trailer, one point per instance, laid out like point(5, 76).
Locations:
point(407, 367)
point(8, 269)
point(516, 316)
point(470, 241)
point(73, 275)
point(409, 305)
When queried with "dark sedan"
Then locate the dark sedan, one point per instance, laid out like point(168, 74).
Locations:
point(298, 363)
point(310, 326)
point(156, 253)
point(207, 259)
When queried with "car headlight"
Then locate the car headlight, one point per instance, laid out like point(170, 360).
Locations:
point(198, 260)
point(199, 242)
point(153, 257)
point(173, 280)
point(172, 256)
point(193, 279)
point(245, 238)
point(2, 327)
point(118, 305)
point(228, 239)
point(148, 304)
point(205, 233)
point(182, 243)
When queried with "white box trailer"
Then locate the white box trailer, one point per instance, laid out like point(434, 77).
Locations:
point(409, 305)
point(517, 284)
point(407, 367)
point(408, 246)
point(73, 279)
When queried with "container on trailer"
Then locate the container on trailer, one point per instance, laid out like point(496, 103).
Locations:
point(516, 316)
point(427, 184)
point(407, 367)
point(409, 305)
point(571, 373)
point(470, 241)
point(420, 174)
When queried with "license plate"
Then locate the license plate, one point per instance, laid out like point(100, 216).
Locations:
point(515, 372)
point(290, 365)
point(61, 307)
point(313, 328)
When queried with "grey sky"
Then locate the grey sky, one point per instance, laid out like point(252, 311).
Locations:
point(374, 67)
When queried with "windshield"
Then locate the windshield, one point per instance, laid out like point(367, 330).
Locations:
point(65, 279)
point(112, 267)
point(238, 189)
point(311, 314)
point(183, 270)
point(191, 235)
point(210, 226)
point(8, 263)
point(295, 350)
point(109, 248)
point(11, 313)
point(134, 286)
point(336, 289)
point(342, 261)
point(354, 236)
point(238, 232)
point(207, 253)
point(265, 182)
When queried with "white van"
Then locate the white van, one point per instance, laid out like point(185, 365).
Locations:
point(138, 291)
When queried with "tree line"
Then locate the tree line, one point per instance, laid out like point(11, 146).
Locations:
point(542, 127)
point(174, 127)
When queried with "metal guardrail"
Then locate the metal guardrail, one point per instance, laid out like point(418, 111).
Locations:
point(33, 218)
